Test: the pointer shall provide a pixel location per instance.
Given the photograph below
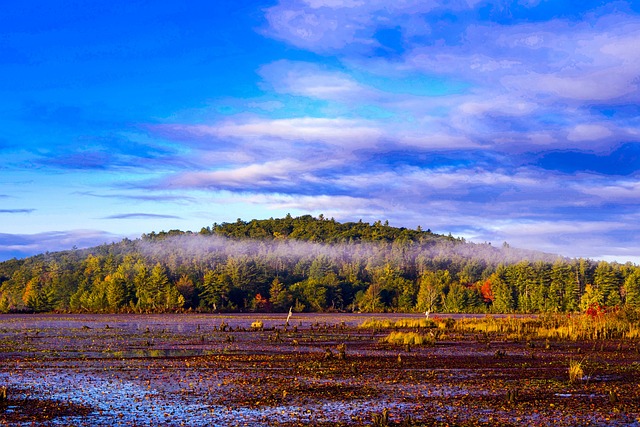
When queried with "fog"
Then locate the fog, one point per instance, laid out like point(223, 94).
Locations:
point(197, 246)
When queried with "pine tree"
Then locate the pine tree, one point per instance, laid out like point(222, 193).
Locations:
point(503, 292)
point(607, 281)
point(215, 289)
point(632, 288)
point(116, 291)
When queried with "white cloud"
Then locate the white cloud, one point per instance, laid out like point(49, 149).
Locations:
point(332, 131)
point(305, 79)
point(251, 176)
point(578, 86)
point(502, 105)
point(330, 205)
point(334, 3)
point(588, 132)
point(330, 25)
point(605, 190)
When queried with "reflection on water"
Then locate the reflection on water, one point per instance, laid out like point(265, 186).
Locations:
point(117, 402)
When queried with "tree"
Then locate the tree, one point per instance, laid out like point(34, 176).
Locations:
point(36, 298)
point(117, 295)
point(144, 292)
point(312, 295)
point(503, 291)
point(526, 294)
point(456, 299)
point(188, 290)
point(433, 286)
point(369, 301)
point(632, 288)
point(562, 290)
point(281, 299)
point(608, 283)
point(592, 296)
point(216, 288)
point(486, 292)
point(173, 299)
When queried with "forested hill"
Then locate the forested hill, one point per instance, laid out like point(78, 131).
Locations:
point(310, 264)
point(308, 228)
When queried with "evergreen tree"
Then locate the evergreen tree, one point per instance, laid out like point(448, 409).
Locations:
point(117, 295)
point(456, 299)
point(281, 299)
point(504, 299)
point(608, 283)
point(632, 288)
point(216, 289)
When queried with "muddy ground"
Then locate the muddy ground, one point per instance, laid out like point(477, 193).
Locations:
point(216, 370)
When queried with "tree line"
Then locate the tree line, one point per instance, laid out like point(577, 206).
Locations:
point(311, 264)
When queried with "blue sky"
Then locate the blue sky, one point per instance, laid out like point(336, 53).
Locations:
point(513, 121)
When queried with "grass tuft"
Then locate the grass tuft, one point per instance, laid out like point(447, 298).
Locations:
point(576, 371)
point(409, 338)
point(257, 324)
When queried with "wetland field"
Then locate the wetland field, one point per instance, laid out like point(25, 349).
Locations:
point(320, 369)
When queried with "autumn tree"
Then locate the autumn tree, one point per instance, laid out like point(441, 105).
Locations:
point(433, 287)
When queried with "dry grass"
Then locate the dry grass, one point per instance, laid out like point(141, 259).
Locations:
point(257, 324)
point(398, 324)
point(376, 324)
point(409, 338)
point(576, 371)
point(575, 327)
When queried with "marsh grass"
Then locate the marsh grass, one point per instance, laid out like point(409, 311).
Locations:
point(376, 324)
point(613, 325)
point(257, 324)
point(576, 371)
point(512, 327)
point(409, 338)
point(398, 324)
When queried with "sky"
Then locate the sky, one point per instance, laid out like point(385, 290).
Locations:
point(496, 121)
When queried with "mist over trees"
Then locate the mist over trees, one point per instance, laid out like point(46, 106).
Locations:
point(311, 264)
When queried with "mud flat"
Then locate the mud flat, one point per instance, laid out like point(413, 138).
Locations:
point(321, 369)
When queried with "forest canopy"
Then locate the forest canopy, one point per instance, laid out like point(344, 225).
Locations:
point(311, 264)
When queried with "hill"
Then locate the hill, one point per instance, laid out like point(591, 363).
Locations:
point(310, 264)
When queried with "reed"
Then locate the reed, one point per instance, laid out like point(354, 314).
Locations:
point(409, 338)
point(400, 324)
point(376, 324)
point(576, 371)
point(605, 326)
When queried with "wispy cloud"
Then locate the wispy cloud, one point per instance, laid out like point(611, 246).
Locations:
point(153, 197)
point(110, 152)
point(16, 211)
point(141, 216)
